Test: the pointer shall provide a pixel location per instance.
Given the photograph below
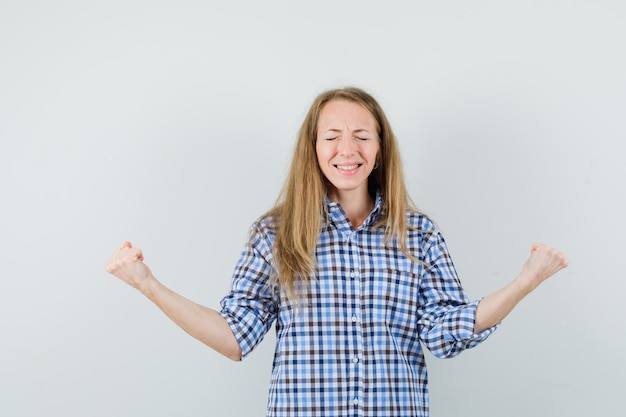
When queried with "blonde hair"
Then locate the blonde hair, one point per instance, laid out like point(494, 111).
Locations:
point(299, 213)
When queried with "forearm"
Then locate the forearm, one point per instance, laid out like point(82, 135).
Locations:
point(203, 323)
point(493, 308)
point(542, 263)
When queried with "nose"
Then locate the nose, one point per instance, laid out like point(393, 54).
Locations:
point(346, 146)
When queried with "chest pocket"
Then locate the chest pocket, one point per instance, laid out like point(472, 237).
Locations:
point(392, 297)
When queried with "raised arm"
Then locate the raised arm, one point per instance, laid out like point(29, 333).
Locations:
point(542, 263)
point(203, 323)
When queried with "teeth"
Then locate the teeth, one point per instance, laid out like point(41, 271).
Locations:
point(348, 167)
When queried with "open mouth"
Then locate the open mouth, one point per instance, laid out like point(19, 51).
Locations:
point(348, 167)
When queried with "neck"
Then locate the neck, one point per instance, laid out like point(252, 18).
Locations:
point(357, 205)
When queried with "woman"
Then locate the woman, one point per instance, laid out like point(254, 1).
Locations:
point(354, 276)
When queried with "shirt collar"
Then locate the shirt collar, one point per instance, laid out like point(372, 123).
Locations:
point(335, 211)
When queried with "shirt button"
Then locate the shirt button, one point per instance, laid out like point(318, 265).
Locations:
point(355, 360)
point(352, 274)
point(354, 319)
point(355, 401)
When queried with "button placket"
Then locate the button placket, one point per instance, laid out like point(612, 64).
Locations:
point(354, 318)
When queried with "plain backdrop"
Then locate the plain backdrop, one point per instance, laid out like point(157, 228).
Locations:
point(171, 124)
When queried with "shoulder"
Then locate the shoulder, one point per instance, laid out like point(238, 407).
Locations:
point(421, 222)
point(260, 240)
point(263, 229)
point(422, 231)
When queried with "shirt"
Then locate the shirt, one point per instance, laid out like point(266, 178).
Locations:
point(352, 346)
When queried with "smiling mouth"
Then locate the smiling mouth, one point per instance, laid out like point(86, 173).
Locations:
point(348, 167)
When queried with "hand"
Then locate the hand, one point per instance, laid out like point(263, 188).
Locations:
point(542, 263)
point(127, 264)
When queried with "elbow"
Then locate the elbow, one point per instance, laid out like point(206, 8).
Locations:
point(234, 354)
point(443, 345)
point(228, 347)
point(231, 350)
point(445, 353)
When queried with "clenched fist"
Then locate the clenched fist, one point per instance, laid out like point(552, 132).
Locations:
point(542, 263)
point(127, 264)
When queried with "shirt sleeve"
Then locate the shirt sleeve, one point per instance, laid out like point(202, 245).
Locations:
point(447, 317)
point(250, 307)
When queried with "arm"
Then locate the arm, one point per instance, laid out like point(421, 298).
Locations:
point(446, 316)
point(203, 323)
point(542, 263)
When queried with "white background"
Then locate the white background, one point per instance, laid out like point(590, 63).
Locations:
point(171, 124)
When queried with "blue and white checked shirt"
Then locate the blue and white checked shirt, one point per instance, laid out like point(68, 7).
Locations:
point(352, 347)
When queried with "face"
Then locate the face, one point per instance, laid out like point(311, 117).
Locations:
point(347, 145)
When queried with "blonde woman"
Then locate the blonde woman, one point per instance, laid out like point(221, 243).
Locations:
point(355, 278)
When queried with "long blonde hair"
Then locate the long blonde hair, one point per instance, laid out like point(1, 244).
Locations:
point(299, 212)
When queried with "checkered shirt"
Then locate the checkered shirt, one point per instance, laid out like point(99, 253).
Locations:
point(352, 347)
